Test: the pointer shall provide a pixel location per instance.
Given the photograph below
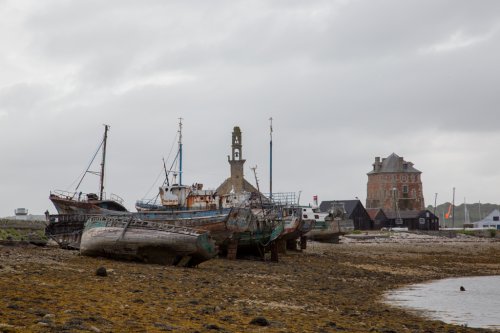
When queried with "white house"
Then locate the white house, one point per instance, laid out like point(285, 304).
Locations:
point(490, 221)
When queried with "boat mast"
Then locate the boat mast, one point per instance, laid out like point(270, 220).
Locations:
point(271, 159)
point(180, 151)
point(103, 162)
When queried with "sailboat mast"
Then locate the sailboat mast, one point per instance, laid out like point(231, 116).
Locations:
point(180, 151)
point(103, 162)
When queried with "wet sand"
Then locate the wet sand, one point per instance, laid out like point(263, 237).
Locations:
point(326, 288)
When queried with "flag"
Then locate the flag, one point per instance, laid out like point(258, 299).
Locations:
point(448, 215)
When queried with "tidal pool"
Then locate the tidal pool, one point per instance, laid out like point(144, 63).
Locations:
point(477, 306)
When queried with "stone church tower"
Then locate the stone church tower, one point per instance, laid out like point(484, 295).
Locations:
point(236, 183)
point(394, 184)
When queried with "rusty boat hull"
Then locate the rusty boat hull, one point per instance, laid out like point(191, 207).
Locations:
point(66, 204)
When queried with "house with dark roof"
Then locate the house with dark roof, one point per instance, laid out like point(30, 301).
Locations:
point(412, 219)
point(355, 211)
point(378, 217)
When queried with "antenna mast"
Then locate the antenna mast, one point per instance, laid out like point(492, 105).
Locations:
point(180, 151)
point(103, 162)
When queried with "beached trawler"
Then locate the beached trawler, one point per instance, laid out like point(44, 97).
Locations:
point(89, 203)
point(129, 238)
point(74, 208)
point(295, 227)
point(229, 218)
point(329, 226)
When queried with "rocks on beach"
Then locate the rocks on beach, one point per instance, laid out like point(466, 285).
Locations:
point(328, 287)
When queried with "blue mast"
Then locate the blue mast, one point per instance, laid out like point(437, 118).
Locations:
point(271, 159)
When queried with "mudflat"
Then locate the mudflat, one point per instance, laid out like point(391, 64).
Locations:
point(325, 288)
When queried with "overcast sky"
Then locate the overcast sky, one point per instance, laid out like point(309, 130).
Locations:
point(345, 81)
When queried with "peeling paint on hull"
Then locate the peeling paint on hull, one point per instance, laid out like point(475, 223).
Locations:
point(133, 239)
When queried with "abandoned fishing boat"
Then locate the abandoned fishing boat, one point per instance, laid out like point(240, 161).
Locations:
point(329, 226)
point(74, 208)
point(89, 203)
point(129, 238)
point(195, 207)
point(294, 227)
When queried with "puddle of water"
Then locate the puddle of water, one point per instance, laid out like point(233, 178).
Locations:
point(477, 306)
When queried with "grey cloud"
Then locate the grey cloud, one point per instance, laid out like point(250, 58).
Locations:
point(344, 80)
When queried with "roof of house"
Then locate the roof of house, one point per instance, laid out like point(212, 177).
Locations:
point(374, 212)
point(394, 163)
point(489, 218)
point(349, 205)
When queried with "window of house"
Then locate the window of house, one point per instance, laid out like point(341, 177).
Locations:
point(316, 217)
point(304, 216)
point(405, 189)
point(495, 218)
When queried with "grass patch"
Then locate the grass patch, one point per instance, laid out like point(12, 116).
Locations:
point(467, 232)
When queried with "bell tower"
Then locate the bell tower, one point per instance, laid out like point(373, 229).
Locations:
point(236, 161)
point(236, 183)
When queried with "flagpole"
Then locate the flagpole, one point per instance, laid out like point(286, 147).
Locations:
point(453, 211)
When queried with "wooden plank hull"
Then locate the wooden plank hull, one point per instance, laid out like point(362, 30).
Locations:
point(330, 229)
point(213, 221)
point(133, 239)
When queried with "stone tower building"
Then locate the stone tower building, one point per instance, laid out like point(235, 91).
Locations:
point(394, 184)
point(236, 183)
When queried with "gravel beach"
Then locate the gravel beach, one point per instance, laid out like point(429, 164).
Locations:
point(325, 288)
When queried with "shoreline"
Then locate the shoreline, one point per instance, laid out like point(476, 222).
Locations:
point(326, 288)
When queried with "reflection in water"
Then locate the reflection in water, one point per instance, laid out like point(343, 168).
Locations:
point(477, 306)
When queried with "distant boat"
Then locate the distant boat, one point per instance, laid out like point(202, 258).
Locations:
point(126, 237)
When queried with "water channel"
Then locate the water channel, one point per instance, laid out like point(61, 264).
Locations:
point(477, 306)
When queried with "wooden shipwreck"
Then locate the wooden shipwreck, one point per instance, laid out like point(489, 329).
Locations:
point(129, 238)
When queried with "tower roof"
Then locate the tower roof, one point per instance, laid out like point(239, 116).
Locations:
point(393, 163)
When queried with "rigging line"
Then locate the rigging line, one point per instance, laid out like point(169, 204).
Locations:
point(155, 182)
point(172, 148)
point(173, 143)
point(86, 170)
point(174, 163)
point(159, 175)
